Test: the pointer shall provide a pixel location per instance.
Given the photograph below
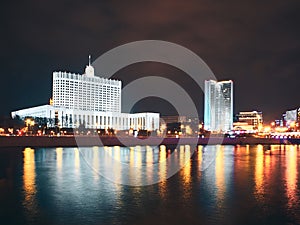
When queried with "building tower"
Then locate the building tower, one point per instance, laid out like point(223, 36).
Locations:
point(86, 92)
point(218, 106)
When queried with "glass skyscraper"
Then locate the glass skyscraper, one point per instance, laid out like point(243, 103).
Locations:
point(218, 106)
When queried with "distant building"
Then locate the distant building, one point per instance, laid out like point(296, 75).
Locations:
point(172, 119)
point(218, 106)
point(291, 119)
point(89, 101)
point(253, 118)
point(243, 126)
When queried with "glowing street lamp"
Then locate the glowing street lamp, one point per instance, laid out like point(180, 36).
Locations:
point(267, 129)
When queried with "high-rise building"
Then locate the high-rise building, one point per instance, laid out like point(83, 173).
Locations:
point(291, 118)
point(218, 106)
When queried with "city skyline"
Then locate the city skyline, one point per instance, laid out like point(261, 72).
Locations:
point(251, 43)
point(150, 112)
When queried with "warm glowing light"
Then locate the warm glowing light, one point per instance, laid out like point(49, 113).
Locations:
point(267, 129)
point(29, 178)
point(117, 153)
point(260, 127)
point(259, 175)
point(200, 158)
point(149, 162)
point(187, 166)
point(149, 155)
point(291, 175)
point(281, 129)
point(162, 171)
point(59, 152)
point(292, 124)
point(220, 174)
point(186, 171)
point(77, 160)
point(163, 127)
point(188, 130)
point(162, 153)
point(138, 158)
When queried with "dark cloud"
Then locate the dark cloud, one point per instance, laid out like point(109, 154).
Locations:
point(255, 43)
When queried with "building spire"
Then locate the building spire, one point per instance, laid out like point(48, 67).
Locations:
point(89, 69)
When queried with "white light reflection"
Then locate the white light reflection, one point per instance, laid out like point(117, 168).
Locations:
point(96, 162)
point(59, 159)
point(77, 163)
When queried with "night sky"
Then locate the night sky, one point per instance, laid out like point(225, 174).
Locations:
point(255, 43)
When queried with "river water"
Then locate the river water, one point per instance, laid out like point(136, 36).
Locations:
point(212, 185)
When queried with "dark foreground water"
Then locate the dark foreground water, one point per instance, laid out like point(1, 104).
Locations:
point(217, 185)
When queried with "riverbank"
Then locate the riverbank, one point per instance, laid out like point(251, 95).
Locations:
point(88, 141)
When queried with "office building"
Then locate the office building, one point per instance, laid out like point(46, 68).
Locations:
point(218, 106)
point(253, 118)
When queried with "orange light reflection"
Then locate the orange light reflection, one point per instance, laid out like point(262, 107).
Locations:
point(220, 175)
point(291, 175)
point(162, 172)
point(259, 173)
point(29, 179)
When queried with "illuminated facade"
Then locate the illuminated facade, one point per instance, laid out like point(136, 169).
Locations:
point(218, 106)
point(252, 118)
point(291, 117)
point(90, 101)
point(86, 92)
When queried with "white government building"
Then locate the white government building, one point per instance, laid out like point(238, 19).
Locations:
point(91, 101)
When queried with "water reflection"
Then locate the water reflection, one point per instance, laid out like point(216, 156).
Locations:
point(162, 162)
point(187, 166)
point(185, 173)
point(77, 163)
point(96, 162)
point(269, 164)
point(291, 174)
point(220, 175)
point(259, 172)
point(72, 190)
point(29, 184)
point(59, 158)
point(149, 163)
point(199, 154)
point(162, 170)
